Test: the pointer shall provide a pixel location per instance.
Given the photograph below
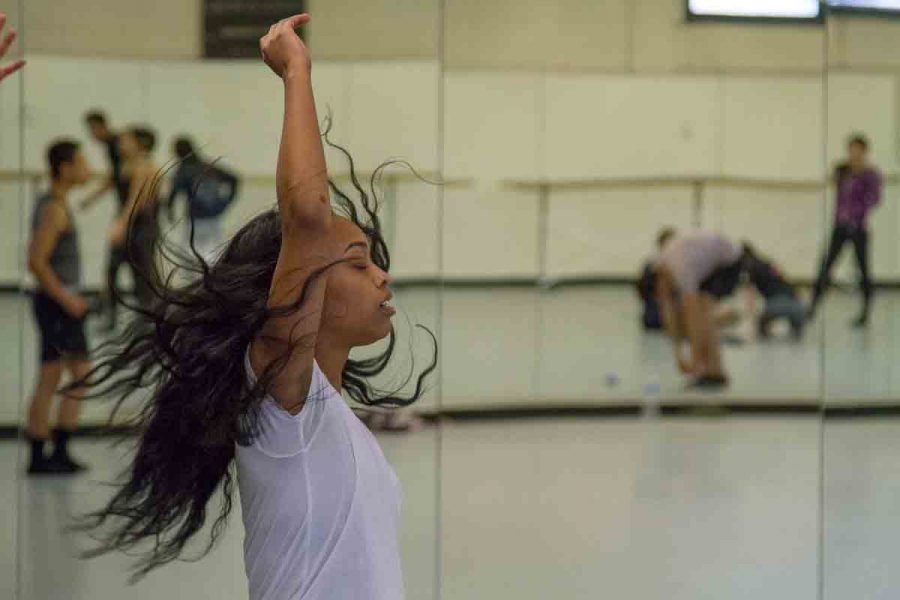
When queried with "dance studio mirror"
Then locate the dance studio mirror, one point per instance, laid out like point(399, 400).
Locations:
point(576, 133)
point(856, 316)
point(178, 94)
point(606, 223)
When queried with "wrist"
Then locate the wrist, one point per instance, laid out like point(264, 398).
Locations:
point(297, 70)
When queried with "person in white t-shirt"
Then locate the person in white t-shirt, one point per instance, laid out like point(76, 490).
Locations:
point(693, 272)
point(247, 363)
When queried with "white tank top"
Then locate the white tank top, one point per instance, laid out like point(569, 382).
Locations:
point(320, 503)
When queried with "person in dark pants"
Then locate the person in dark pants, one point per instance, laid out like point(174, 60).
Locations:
point(116, 256)
point(136, 227)
point(781, 300)
point(59, 310)
point(858, 187)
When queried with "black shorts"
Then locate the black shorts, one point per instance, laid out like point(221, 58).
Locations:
point(62, 335)
point(723, 281)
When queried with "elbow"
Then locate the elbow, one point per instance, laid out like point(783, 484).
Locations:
point(312, 211)
point(35, 266)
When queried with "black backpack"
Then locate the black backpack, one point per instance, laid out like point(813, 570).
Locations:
point(213, 192)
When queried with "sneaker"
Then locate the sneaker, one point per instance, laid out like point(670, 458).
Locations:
point(709, 382)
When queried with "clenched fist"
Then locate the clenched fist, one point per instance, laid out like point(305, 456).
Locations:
point(282, 49)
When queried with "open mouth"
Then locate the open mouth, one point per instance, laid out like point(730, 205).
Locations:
point(387, 308)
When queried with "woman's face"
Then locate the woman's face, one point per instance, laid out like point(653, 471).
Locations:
point(357, 298)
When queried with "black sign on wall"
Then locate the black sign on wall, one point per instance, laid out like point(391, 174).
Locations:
point(232, 28)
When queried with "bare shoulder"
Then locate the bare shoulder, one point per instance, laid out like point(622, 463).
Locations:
point(53, 216)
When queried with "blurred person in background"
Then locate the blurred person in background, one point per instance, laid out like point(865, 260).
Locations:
point(693, 273)
point(858, 188)
point(59, 310)
point(781, 299)
point(101, 132)
point(651, 316)
point(208, 189)
point(136, 227)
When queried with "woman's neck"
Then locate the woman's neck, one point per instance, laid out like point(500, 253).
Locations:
point(331, 359)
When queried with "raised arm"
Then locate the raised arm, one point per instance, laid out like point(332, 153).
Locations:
point(5, 43)
point(307, 243)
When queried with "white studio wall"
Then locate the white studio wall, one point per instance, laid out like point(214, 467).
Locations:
point(786, 224)
point(602, 126)
point(611, 230)
point(494, 125)
point(507, 134)
point(773, 128)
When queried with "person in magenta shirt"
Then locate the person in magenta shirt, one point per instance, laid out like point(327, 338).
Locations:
point(858, 186)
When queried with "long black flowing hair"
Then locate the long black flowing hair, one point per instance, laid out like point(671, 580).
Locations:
point(183, 357)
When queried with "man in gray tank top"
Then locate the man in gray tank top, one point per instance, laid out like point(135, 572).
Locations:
point(59, 310)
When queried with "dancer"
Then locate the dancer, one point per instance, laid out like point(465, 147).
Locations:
point(209, 190)
point(693, 272)
point(781, 300)
point(858, 186)
point(651, 319)
point(5, 43)
point(136, 229)
point(116, 257)
point(246, 363)
point(59, 309)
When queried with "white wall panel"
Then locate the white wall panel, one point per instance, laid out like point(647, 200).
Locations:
point(490, 231)
point(393, 113)
point(773, 128)
point(611, 231)
point(492, 125)
point(620, 126)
